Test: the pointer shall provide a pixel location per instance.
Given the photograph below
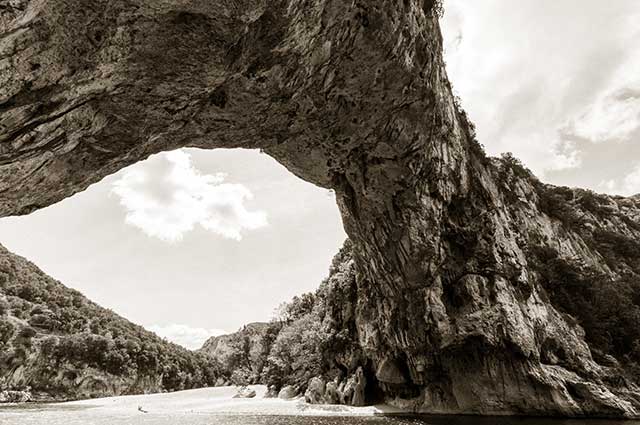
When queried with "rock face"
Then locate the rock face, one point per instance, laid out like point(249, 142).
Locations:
point(244, 350)
point(451, 249)
point(242, 354)
point(55, 344)
point(14, 396)
point(287, 393)
point(315, 391)
point(350, 392)
point(245, 392)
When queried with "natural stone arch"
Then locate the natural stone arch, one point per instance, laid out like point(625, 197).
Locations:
point(351, 96)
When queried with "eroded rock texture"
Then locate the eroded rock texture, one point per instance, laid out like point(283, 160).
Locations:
point(242, 353)
point(351, 96)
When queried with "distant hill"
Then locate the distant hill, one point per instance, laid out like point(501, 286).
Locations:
point(60, 345)
point(314, 335)
point(216, 345)
point(244, 352)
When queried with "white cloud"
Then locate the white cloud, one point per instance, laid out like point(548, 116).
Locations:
point(537, 79)
point(627, 186)
point(166, 197)
point(631, 182)
point(565, 154)
point(612, 117)
point(188, 337)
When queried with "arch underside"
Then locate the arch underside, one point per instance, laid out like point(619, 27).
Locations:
point(352, 97)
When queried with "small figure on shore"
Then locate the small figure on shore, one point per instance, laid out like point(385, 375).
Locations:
point(140, 409)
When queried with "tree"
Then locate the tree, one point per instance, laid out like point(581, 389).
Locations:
point(296, 354)
point(4, 306)
point(6, 331)
point(299, 306)
point(27, 332)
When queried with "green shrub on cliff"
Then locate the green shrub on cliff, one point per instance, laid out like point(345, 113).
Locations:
point(557, 202)
point(295, 309)
point(6, 331)
point(608, 310)
point(516, 166)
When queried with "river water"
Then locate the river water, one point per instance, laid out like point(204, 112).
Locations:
point(68, 415)
point(217, 406)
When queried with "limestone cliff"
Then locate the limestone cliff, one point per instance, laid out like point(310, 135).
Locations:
point(311, 344)
point(498, 328)
point(242, 354)
point(453, 252)
point(483, 334)
point(56, 344)
point(528, 334)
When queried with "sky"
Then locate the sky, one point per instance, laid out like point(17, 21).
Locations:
point(195, 243)
point(189, 243)
point(556, 82)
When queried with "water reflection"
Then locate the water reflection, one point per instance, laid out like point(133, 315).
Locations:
point(53, 414)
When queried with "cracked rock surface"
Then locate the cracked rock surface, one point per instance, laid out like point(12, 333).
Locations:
point(351, 96)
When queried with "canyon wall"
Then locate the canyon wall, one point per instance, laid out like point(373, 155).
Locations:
point(452, 250)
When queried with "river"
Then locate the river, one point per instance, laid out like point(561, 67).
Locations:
point(216, 406)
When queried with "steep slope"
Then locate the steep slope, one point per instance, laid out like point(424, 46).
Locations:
point(489, 338)
point(488, 331)
point(317, 349)
point(242, 354)
point(563, 338)
point(60, 345)
point(314, 336)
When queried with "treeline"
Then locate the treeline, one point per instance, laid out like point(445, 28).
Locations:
point(314, 334)
point(65, 346)
point(603, 297)
point(606, 303)
point(607, 309)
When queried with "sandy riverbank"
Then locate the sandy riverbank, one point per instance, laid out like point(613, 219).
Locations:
point(220, 400)
point(200, 406)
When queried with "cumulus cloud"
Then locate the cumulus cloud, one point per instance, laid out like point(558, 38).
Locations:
point(166, 197)
point(627, 186)
point(544, 81)
point(613, 116)
point(188, 337)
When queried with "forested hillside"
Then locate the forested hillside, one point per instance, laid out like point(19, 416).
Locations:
point(57, 344)
point(312, 337)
